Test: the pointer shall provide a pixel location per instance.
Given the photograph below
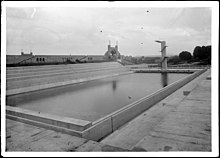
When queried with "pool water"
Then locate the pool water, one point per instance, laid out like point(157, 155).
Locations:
point(94, 99)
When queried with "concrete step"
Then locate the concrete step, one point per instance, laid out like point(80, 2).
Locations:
point(60, 69)
point(51, 67)
point(64, 72)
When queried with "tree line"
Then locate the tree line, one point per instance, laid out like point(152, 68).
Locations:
point(201, 54)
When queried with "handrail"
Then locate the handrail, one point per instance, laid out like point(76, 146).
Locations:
point(25, 59)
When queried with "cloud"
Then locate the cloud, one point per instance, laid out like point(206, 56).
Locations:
point(80, 30)
point(40, 36)
point(195, 18)
point(18, 13)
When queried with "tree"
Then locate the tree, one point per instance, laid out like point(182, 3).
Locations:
point(196, 52)
point(209, 52)
point(207, 56)
point(185, 56)
point(202, 53)
point(173, 60)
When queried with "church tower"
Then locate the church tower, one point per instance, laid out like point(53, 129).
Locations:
point(112, 52)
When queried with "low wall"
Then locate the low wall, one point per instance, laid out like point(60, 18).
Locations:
point(99, 130)
point(45, 125)
point(65, 122)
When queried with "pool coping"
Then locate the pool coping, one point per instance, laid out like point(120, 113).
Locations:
point(66, 122)
point(165, 71)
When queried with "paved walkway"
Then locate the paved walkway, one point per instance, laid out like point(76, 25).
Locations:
point(25, 137)
point(177, 123)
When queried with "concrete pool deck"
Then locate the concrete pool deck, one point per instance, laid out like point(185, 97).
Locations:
point(180, 122)
point(167, 71)
point(177, 123)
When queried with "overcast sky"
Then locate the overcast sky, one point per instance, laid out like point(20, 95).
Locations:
point(87, 31)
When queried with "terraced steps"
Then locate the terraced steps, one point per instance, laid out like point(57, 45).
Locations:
point(53, 75)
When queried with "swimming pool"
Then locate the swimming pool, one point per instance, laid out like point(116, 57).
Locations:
point(93, 100)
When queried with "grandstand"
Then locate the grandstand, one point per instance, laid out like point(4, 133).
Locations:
point(29, 76)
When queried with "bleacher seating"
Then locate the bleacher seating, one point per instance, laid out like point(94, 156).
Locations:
point(27, 76)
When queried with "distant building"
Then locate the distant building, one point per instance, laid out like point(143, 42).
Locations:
point(112, 52)
point(27, 59)
point(28, 54)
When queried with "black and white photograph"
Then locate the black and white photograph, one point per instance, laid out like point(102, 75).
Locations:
point(109, 78)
